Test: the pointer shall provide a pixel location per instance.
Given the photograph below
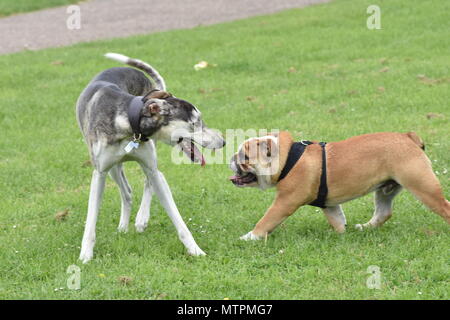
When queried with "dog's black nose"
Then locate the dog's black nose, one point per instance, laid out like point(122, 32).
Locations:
point(224, 143)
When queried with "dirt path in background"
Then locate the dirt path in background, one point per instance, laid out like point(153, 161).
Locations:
point(105, 19)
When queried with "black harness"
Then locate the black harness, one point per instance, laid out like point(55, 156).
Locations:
point(294, 155)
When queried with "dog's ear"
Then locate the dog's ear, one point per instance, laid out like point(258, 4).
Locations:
point(157, 94)
point(151, 110)
point(155, 109)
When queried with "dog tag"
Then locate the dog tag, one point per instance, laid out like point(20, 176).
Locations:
point(131, 145)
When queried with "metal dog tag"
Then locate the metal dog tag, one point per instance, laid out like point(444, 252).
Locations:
point(131, 145)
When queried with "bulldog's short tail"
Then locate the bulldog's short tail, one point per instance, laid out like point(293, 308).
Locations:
point(141, 65)
point(414, 137)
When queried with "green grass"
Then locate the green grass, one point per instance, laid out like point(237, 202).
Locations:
point(333, 95)
point(8, 7)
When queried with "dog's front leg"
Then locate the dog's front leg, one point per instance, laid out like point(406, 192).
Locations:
point(148, 161)
point(165, 196)
point(95, 197)
point(281, 208)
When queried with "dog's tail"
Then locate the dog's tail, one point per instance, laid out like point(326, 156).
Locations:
point(141, 65)
point(414, 137)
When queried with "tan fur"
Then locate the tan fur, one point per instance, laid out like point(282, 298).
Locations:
point(355, 167)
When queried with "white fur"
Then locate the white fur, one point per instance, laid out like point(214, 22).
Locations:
point(117, 174)
point(143, 214)
point(122, 123)
point(176, 129)
point(250, 236)
point(117, 57)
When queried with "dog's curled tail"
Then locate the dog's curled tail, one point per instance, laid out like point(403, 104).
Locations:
point(141, 65)
point(416, 139)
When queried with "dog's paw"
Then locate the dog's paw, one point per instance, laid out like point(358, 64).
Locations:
point(141, 222)
point(122, 228)
point(196, 251)
point(140, 227)
point(250, 236)
point(85, 257)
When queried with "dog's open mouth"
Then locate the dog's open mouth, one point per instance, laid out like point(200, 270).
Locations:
point(190, 149)
point(243, 180)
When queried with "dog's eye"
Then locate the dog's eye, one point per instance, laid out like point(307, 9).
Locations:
point(196, 123)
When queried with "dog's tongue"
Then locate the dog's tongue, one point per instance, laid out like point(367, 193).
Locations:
point(236, 180)
point(192, 151)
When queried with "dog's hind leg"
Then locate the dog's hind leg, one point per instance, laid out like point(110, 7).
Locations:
point(95, 197)
point(143, 214)
point(118, 176)
point(383, 205)
point(336, 218)
point(426, 187)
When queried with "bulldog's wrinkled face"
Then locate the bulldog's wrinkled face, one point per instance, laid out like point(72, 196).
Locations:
point(255, 162)
point(179, 123)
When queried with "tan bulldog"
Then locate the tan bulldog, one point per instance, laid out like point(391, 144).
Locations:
point(335, 173)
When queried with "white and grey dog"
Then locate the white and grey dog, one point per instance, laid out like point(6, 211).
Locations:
point(121, 114)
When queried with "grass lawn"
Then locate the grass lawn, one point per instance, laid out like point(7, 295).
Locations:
point(317, 72)
point(8, 7)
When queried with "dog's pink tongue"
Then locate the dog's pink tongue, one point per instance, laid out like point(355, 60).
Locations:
point(192, 152)
point(203, 161)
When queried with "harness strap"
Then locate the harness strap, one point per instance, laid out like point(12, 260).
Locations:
point(294, 155)
point(323, 187)
point(134, 116)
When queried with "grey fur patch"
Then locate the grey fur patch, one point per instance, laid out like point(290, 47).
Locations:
point(107, 96)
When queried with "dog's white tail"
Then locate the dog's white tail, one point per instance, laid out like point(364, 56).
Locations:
point(141, 65)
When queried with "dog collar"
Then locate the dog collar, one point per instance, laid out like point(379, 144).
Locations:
point(294, 155)
point(134, 116)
